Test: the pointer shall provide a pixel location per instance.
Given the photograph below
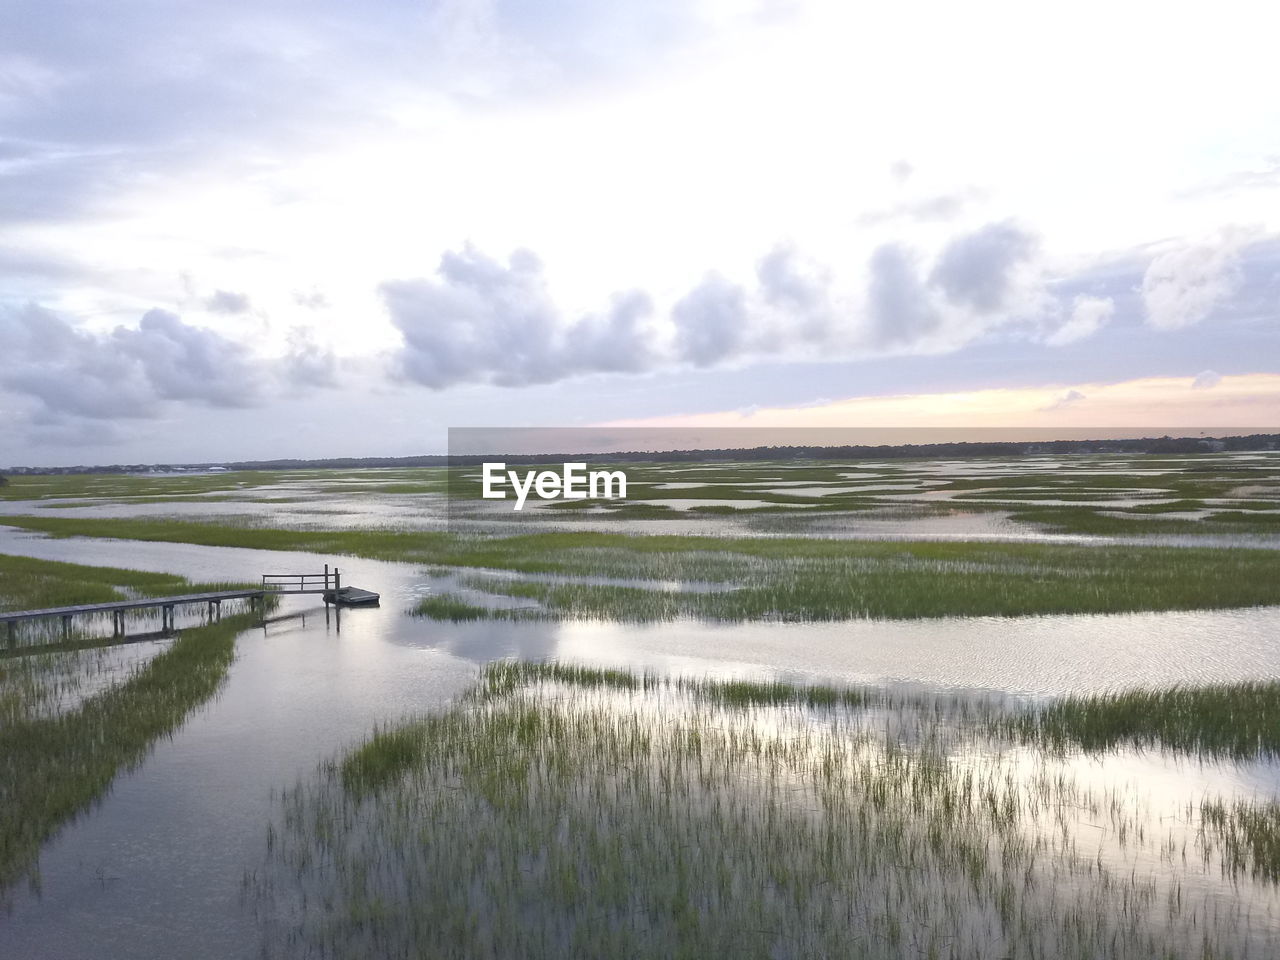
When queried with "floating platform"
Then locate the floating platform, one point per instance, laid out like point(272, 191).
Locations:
point(352, 597)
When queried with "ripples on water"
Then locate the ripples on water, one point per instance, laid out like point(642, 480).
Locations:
point(156, 869)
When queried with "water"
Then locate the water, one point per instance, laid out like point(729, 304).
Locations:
point(156, 868)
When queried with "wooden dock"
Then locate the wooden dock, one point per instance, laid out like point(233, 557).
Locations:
point(117, 609)
point(327, 584)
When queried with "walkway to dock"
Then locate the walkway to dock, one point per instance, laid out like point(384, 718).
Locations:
point(117, 609)
point(327, 584)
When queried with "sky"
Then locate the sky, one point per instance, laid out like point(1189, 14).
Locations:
point(244, 230)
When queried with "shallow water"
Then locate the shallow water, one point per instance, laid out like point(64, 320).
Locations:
point(156, 869)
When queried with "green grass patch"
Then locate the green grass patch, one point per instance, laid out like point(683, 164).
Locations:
point(29, 584)
point(784, 577)
point(448, 606)
point(1238, 720)
point(574, 812)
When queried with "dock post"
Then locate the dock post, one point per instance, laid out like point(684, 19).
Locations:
point(66, 627)
point(217, 606)
point(337, 585)
point(13, 635)
point(325, 594)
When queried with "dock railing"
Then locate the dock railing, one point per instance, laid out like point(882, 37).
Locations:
point(327, 582)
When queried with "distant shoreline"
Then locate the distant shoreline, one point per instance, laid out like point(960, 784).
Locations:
point(1166, 445)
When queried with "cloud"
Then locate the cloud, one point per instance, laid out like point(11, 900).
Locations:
point(478, 320)
point(307, 363)
point(1068, 399)
point(1206, 380)
point(312, 299)
point(788, 282)
point(482, 321)
point(901, 170)
point(1183, 287)
point(123, 373)
point(1119, 407)
point(898, 302)
point(75, 433)
point(238, 86)
point(1088, 316)
point(711, 321)
point(617, 341)
point(976, 270)
point(933, 209)
point(225, 301)
point(798, 292)
point(1266, 177)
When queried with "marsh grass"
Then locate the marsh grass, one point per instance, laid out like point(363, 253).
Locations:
point(1233, 720)
point(836, 580)
point(155, 488)
point(781, 577)
point(566, 811)
point(1247, 834)
point(447, 606)
point(29, 584)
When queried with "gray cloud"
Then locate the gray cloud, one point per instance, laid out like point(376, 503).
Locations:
point(899, 304)
point(800, 292)
point(95, 105)
point(49, 431)
point(788, 283)
point(20, 266)
point(307, 363)
point(711, 321)
point(479, 320)
point(975, 270)
point(311, 299)
point(226, 301)
point(124, 373)
point(615, 342)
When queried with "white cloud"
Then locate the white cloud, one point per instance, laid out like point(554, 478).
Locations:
point(1088, 316)
point(1183, 287)
point(482, 321)
point(1068, 399)
point(1206, 380)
